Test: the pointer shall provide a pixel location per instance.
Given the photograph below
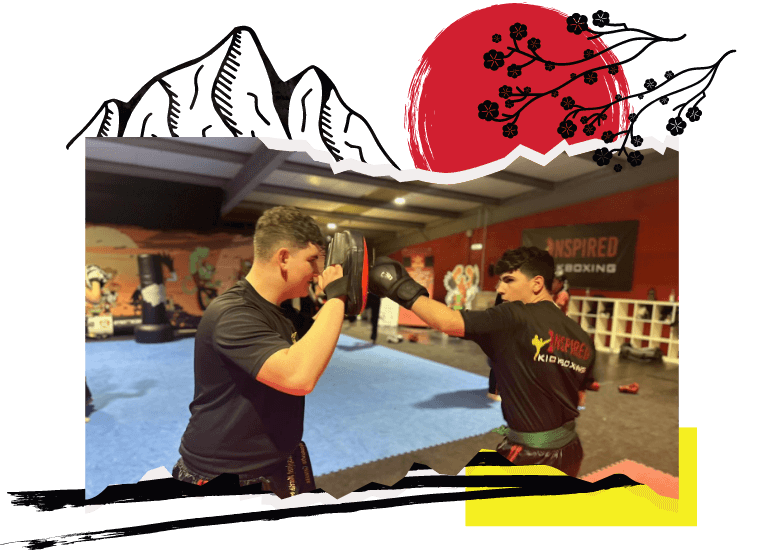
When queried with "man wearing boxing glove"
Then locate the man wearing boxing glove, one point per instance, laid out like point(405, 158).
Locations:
point(541, 358)
point(251, 370)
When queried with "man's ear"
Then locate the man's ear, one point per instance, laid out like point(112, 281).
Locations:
point(283, 257)
point(538, 284)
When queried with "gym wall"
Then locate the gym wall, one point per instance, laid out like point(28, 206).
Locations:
point(206, 264)
point(656, 260)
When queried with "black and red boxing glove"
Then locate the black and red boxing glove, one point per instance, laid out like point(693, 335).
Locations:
point(389, 279)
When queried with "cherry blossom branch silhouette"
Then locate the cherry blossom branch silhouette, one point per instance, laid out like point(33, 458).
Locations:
point(576, 24)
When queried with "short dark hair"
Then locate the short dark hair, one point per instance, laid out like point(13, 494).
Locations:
point(531, 261)
point(284, 226)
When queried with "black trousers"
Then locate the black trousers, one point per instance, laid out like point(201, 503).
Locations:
point(374, 303)
point(567, 459)
point(288, 478)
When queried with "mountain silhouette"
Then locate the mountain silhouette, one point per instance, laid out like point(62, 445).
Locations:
point(233, 90)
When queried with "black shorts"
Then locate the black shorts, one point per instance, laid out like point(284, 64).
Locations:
point(566, 459)
point(288, 478)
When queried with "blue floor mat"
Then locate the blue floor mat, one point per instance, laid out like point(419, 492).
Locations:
point(371, 403)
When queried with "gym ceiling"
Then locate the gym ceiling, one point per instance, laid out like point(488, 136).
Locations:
point(224, 184)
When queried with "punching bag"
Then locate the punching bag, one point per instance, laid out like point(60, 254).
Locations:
point(155, 327)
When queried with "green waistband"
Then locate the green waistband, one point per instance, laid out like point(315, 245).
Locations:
point(552, 439)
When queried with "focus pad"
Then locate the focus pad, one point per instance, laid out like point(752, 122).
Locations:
point(349, 250)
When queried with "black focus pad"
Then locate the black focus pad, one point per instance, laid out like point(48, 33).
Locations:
point(349, 249)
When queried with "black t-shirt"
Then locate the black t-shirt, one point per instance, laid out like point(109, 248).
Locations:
point(238, 424)
point(541, 357)
point(301, 320)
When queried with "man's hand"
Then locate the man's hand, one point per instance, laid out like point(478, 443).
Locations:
point(389, 279)
point(330, 275)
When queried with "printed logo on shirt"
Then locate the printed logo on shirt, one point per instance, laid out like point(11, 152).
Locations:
point(539, 343)
point(569, 345)
point(557, 342)
point(567, 363)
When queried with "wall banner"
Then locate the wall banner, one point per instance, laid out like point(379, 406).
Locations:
point(598, 256)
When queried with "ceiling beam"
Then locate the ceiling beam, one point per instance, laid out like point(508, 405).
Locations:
point(140, 171)
point(338, 215)
point(135, 170)
point(586, 157)
point(263, 162)
point(257, 168)
point(249, 217)
point(409, 187)
point(577, 190)
point(513, 177)
point(360, 201)
point(173, 145)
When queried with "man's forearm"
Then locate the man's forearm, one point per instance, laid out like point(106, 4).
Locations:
point(439, 316)
point(313, 352)
point(316, 315)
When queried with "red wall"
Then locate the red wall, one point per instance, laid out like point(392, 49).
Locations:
point(656, 260)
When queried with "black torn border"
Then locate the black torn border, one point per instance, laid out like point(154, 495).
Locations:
point(227, 485)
